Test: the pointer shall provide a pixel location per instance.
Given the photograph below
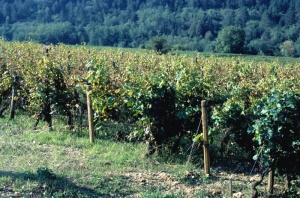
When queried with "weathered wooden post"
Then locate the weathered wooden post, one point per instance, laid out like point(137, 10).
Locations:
point(205, 139)
point(271, 181)
point(90, 114)
point(13, 95)
point(287, 183)
point(230, 187)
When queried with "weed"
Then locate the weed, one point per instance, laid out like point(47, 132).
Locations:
point(45, 174)
point(6, 181)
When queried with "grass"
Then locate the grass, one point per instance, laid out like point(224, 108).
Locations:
point(61, 163)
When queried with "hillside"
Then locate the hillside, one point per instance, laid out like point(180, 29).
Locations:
point(186, 24)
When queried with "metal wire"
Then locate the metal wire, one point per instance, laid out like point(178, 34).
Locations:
point(189, 158)
point(256, 160)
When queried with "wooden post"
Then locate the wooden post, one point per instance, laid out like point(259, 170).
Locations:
point(287, 183)
point(13, 95)
point(230, 187)
point(271, 181)
point(90, 114)
point(205, 138)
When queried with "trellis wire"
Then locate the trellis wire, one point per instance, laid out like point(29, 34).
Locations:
point(189, 158)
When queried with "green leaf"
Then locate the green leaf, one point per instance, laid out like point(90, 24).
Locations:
point(255, 157)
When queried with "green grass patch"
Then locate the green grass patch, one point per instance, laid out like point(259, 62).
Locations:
point(62, 163)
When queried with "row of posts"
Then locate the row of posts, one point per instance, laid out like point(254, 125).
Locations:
point(89, 106)
point(204, 118)
point(91, 125)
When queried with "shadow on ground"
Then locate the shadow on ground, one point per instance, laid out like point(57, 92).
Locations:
point(44, 183)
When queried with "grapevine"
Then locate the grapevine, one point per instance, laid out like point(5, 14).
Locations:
point(253, 104)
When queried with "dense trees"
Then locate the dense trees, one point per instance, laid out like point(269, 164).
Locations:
point(186, 24)
point(231, 39)
point(159, 44)
point(287, 48)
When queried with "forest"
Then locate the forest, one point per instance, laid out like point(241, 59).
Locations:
point(270, 26)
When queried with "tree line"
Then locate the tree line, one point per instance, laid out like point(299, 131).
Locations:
point(185, 24)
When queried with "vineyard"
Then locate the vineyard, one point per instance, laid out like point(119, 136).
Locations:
point(254, 105)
